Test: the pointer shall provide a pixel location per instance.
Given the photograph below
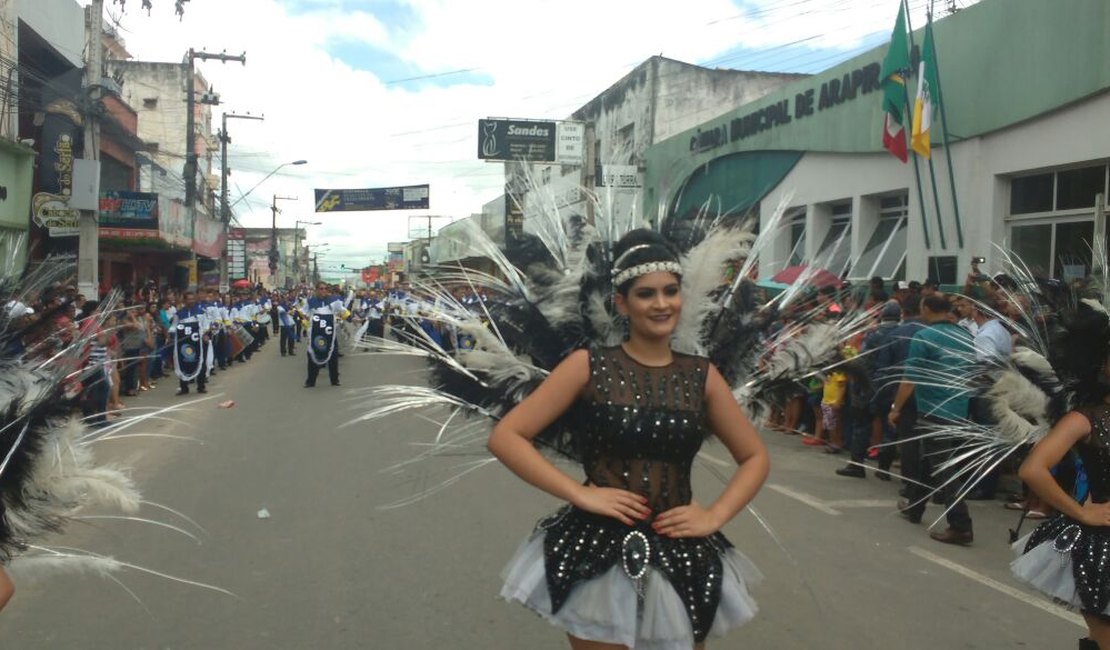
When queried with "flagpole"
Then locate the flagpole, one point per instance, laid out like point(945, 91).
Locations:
point(944, 132)
point(932, 171)
point(916, 166)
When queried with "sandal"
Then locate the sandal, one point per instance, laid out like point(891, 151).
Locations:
point(1014, 505)
point(1035, 514)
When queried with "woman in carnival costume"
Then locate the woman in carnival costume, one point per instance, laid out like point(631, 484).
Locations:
point(1068, 556)
point(633, 560)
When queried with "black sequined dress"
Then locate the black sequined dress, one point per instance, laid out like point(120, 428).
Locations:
point(636, 428)
point(1063, 558)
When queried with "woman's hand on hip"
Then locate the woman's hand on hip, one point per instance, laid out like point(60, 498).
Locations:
point(686, 521)
point(1095, 514)
point(622, 505)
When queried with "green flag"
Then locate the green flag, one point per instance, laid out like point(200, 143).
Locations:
point(893, 83)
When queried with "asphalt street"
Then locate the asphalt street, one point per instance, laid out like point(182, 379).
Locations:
point(331, 568)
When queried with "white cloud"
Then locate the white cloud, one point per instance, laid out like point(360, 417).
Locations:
point(544, 58)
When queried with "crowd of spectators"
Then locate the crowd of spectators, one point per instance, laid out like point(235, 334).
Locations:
point(924, 364)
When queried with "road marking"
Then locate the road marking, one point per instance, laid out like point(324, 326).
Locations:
point(807, 499)
point(1035, 601)
point(863, 503)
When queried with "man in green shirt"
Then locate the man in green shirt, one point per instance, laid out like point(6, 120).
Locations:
point(937, 376)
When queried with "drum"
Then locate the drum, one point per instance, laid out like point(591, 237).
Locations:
point(239, 338)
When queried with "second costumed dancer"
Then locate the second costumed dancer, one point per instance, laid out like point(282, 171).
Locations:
point(633, 559)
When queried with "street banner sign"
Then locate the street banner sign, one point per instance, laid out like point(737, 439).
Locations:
point(406, 197)
point(516, 140)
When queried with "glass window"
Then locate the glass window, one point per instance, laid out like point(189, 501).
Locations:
point(942, 268)
point(836, 249)
point(1033, 244)
point(1031, 194)
point(895, 254)
point(797, 239)
point(1076, 188)
point(874, 248)
point(1073, 250)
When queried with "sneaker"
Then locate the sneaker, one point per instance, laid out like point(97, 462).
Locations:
point(810, 441)
point(202, 390)
point(182, 391)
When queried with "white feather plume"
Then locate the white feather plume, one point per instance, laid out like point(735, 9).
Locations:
point(702, 276)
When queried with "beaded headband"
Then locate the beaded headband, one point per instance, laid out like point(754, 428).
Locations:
point(643, 269)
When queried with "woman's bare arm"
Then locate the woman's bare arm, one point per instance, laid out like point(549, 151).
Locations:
point(1036, 471)
point(511, 443)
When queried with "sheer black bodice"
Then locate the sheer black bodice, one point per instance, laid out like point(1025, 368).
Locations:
point(1095, 452)
point(1089, 546)
point(638, 428)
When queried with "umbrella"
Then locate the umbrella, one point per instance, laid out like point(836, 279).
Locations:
point(241, 284)
point(813, 277)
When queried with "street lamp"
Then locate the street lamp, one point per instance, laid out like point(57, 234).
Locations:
point(266, 178)
point(296, 246)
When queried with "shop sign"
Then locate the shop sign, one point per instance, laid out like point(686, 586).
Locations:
point(237, 257)
point(406, 197)
point(131, 234)
point(61, 132)
point(618, 176)
point(517, 140)
point(129, 209)
point(572, 143)
point(831, 93)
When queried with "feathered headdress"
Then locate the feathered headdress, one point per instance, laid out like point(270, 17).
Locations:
point(551, 295)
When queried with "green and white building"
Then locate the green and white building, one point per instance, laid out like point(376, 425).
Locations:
point(1026, 92)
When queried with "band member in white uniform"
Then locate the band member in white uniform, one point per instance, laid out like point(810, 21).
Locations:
point(324, 312)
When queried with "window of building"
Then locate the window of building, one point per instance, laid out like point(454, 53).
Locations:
point(942, 268)
point(1052, 221)
point(1069, 189)
point(796, 218)
point(1056, 249)
point(150, 103)
point(836, 249)
point(885, 250)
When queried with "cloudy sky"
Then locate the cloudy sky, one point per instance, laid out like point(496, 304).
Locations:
point(378, 93)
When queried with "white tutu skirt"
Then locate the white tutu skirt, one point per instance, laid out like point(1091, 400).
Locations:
point(1048, 571)
point(605, 608)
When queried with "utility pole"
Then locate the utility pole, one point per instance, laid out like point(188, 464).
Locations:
point(315, 270)
point(88, 258)
point(190, 117)
point(274, 257)
point(225, 206)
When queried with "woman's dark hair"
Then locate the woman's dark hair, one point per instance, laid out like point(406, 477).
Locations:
point(1079, 347)
point(649, 247)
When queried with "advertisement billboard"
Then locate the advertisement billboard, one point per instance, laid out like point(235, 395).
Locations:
point(405, 197)
point(516, 140)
